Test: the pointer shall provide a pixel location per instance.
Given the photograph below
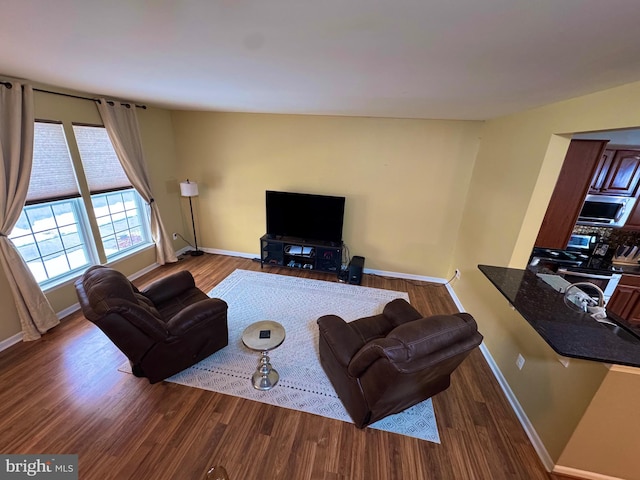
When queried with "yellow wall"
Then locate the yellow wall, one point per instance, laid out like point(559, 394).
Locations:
point(405, 180)
point(595, 439)
point(514, 175)
point(157, 139)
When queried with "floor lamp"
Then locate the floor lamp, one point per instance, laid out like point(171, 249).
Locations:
point(190, 189)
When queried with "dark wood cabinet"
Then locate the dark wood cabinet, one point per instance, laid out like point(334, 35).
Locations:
point(617, 173)
point(601, 172)
point(625, 301)
point(574, 181)
point(633, 222)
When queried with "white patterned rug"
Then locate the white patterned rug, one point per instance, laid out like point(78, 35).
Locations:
point(296, 303)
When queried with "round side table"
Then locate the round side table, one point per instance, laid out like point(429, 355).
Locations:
point(262, 337)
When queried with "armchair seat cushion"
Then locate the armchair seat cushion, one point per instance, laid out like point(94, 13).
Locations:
point(163, 329)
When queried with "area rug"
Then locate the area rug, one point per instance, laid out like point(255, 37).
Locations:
point(296, 303)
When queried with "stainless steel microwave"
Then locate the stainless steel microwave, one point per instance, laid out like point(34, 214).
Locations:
point(606, 210)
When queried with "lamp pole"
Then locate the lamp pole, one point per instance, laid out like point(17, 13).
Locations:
point(196, 252)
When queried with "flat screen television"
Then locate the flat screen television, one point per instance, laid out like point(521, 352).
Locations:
point(305, 216)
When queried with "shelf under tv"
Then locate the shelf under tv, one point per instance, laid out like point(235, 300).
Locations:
point(301, 253)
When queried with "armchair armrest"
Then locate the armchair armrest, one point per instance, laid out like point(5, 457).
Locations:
point(370, 353)
point(169, 287)
point(199, 312)
point(340, 337)
point(140, 317)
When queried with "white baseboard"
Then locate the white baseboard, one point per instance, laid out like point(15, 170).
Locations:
point(8, 342)
point(230, 253)
point(68, 311)
point(405, 276)
point(139, 273)
point(574, 472)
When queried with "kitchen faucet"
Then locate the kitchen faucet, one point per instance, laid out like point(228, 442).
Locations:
point(586, 302)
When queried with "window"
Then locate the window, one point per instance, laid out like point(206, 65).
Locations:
point(51, 240)
point(52, 233)
point(119, 210)
point(120, 222)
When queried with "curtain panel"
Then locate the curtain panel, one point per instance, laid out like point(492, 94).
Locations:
point(16, 148)
point(121, 122)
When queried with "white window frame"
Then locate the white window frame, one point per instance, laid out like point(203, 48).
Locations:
point(83, 232)
point(143, 212)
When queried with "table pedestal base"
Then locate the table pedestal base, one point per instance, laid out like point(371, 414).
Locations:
point(265, 377)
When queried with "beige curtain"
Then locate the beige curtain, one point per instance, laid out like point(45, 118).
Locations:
point(121, 122)
point(16, 147)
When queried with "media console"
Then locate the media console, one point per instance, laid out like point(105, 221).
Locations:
point(301, 253)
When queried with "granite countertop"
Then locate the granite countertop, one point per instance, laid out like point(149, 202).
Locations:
point(569, 332)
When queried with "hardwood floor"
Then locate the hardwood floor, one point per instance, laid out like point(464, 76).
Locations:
point(64, 394)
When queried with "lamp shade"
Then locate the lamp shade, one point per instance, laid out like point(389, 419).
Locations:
point(188, 189)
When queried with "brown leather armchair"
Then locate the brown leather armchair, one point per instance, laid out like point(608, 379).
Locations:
point(384, 364)
point(163, 329)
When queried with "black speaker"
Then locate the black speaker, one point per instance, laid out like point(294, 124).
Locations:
point(356, 265)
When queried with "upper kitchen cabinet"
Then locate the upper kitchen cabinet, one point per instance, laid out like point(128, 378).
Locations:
point(617, 173)
point(601, 172)
point(574, 181)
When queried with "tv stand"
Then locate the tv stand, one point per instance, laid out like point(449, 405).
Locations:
point(301, 253)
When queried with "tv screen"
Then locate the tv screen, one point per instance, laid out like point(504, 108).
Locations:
point(305, 216)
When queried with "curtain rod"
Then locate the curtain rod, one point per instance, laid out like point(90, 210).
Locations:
point(10, 85)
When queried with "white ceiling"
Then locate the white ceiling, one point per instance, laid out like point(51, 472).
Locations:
point(456, 59)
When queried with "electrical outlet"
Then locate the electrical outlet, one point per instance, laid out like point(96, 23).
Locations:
point(175, 236)
point(520, 361)
point(457, 273)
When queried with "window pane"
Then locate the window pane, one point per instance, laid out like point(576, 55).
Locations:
point(41, 218)
point(37, 269)
point(122, 225)
point(100, 205)
point(51, 250)
point(110, 245)
point(77, 257)
point(63, 214)
point(115, 203)
point(49, 242)
point(70, 236)
point(27, 247)
point(106, 229)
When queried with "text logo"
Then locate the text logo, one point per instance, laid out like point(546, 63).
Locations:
point(45, 466)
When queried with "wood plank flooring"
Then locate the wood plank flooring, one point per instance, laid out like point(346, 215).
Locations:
point(64, 394)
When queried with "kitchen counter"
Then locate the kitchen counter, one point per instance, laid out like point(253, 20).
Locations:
point(568, 332)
